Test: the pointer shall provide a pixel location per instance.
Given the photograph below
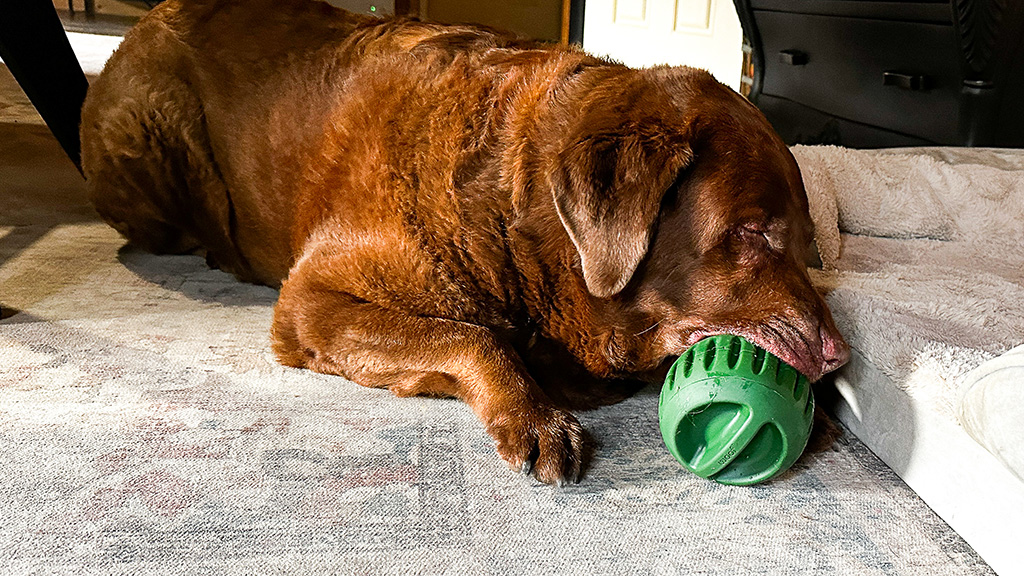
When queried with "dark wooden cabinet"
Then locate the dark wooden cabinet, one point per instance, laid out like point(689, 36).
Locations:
point(872, 73)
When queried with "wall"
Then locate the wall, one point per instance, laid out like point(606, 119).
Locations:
point(541, 19)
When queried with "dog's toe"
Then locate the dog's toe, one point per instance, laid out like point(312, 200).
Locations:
point(548, 442)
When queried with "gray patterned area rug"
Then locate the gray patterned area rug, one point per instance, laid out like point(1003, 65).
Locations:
point(146, 429)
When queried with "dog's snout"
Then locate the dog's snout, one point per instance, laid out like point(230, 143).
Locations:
point(834, 350)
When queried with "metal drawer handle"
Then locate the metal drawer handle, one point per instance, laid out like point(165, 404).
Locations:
point(904, 80)
point(793, 57)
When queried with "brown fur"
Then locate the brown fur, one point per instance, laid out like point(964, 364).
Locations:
point(453, 211)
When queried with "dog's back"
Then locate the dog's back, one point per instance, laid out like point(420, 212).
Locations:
point(210, 115)
point(189, 131)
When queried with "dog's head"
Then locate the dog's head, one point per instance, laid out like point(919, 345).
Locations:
point(689, 218)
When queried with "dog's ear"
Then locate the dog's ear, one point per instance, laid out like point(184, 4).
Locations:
point(608, 190)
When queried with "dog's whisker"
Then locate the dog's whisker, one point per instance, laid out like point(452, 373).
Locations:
point(642, 332)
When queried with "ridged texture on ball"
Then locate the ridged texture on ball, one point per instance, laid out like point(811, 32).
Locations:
point(733, 412)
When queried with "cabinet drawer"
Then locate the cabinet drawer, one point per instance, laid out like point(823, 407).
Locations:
point(936, 11)
point(901, 76)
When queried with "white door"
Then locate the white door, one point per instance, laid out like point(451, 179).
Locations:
point(700, 33)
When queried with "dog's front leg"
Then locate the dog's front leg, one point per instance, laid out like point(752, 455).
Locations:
point(332, 332)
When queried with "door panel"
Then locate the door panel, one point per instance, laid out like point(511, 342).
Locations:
point(701, 33)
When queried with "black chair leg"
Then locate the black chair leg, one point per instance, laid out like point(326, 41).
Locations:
point(35, 48)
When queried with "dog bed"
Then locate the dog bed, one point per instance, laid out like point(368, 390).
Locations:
point(923, 260)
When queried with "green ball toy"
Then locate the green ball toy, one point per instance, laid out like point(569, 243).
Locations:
point(733, 412)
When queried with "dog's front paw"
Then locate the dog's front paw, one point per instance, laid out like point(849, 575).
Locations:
point(546, 440)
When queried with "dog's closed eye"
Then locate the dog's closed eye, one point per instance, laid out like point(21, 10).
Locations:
point(752, 230)
point(772, 235)
point(754, 235)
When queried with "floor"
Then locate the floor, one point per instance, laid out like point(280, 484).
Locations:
point(15, 107)
point(110, 17)
point(129, 8)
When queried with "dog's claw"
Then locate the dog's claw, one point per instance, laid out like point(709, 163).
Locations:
point(526, 467)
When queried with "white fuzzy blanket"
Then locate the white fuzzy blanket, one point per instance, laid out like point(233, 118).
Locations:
point(923, 252)
point(960, 195)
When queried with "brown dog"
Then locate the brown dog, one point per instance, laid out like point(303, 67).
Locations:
point(454, 211)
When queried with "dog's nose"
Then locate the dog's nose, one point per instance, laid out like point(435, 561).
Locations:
point(834, 350)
